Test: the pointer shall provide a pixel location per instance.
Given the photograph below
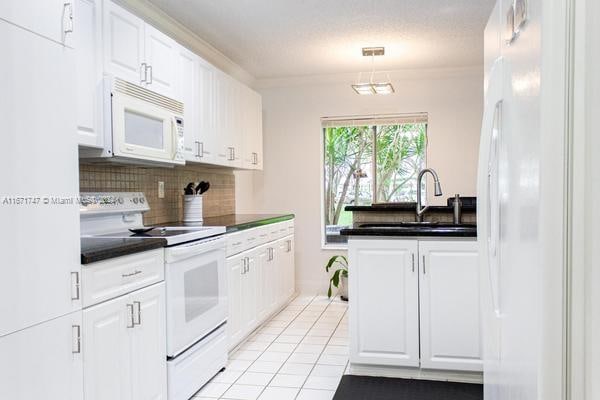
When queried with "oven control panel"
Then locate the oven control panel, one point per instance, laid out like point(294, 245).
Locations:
point(96, 202)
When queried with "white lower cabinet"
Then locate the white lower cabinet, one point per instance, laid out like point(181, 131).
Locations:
point(384, 306)
point(261, 280)
point(124, 342)
point(43, 362)
point(415, 303)
point(449, 306)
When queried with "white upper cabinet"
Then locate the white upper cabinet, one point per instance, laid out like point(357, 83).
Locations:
point(123, 36)
point(206, 109)
point(384, 311)
point(87, 20)
point(187, 90)
point(449, 305)
point(161, 61)
point(252, 129)
point(52, 19)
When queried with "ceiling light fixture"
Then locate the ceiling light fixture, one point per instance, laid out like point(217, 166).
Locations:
point(372, 86)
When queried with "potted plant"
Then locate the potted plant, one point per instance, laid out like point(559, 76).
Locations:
point(339, 279)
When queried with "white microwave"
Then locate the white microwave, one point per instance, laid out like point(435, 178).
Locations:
point(140, 126)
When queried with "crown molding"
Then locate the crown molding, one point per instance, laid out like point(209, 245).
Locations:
point(167, 24)
point(350, 77)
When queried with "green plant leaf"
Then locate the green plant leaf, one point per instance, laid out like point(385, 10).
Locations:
point(335, 279)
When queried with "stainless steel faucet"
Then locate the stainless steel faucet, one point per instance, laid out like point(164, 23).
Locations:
point(437, 191)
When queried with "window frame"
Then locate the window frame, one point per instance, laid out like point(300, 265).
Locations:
point(369, 121)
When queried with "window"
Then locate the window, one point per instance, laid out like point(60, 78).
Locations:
point(369, 160)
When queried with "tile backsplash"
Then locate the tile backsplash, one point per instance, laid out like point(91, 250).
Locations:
point(219, 200)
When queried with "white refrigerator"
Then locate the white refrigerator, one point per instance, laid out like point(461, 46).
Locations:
point(520, 202)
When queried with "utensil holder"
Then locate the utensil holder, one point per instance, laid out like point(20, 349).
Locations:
point(192, 208)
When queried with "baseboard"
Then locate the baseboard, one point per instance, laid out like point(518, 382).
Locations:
point(416, 373)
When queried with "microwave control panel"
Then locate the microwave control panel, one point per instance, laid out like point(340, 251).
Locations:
point(180, 142)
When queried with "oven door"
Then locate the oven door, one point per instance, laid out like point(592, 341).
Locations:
point(196, 278)
point(146, 131)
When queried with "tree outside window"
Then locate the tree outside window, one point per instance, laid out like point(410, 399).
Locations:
point(365, 164)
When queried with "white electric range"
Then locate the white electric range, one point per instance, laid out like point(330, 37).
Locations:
point(195, 278)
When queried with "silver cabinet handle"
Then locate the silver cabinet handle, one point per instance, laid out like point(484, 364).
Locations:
point(231, 153)
point(236, 243)
point(413, 262)
point(254, 158)
point(149, 67)
point(75, 286)
point(68, 17)
point(289, 245)
point(143, 73)
point(243, 266)
point(135, 272)
point(247, 264)
point(131, 323)
point(199, 149)
point(424, 265)
point(138, 305)
point(76, 339)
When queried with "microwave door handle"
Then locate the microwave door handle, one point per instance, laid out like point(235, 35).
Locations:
point(174, 137)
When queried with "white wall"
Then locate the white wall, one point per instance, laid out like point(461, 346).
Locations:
point(292, 146)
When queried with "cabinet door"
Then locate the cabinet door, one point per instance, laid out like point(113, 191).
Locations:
point(223, 125)
point(383, 278)
point(450, 313)
point(187, 92)
point(43, 362)
point(287, 268)
point(252, 130)
point(48, 18)
point(107, 330)
point(263, 264)
point(161, 58)
point(250, 295)
point(123, 37)
point(207, 108)
point(40, 162)
point(88, 74)
point(148, 344)
point(235, 274)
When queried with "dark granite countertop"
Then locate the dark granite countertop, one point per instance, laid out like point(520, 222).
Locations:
point(239, 222)
point(411, 230)
point(408, 206)
point(95, 249)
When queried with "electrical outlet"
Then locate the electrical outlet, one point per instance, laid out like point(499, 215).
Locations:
point(161, 190)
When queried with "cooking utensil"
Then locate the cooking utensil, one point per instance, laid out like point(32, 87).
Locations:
point(204, 188)
point(189, 189)
point(139, 231)
point(199, 187)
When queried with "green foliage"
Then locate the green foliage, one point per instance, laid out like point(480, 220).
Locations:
point(349, 168)
point(341, 262)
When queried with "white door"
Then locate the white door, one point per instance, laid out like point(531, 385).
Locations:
point(87, 42)
point(235, 274)
point(49, 18)
point(123, 37)
point(187, 92)
point(43, 362)
point(148, 344)
point(450, 311)
point(206, 109)
point(161, 59)
point(384, 311)
point(107, 330)
point(38, 170)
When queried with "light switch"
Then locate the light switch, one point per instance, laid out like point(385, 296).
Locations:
point(161, 190)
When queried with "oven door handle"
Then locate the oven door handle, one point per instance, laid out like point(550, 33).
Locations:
point(183, 251)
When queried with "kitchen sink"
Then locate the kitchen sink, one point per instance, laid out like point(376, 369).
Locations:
point(430, 226)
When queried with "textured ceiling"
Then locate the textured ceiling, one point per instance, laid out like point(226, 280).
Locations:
point(281, 38)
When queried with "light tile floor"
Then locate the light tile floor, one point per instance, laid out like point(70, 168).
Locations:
point(301, 353)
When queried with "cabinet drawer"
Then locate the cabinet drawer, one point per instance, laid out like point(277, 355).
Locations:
point(263, 235)
point(290, 227)
point(236, 243)
point(111, 278)
point(275, 230)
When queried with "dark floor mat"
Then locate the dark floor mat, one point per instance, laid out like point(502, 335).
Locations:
point(354, 387)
